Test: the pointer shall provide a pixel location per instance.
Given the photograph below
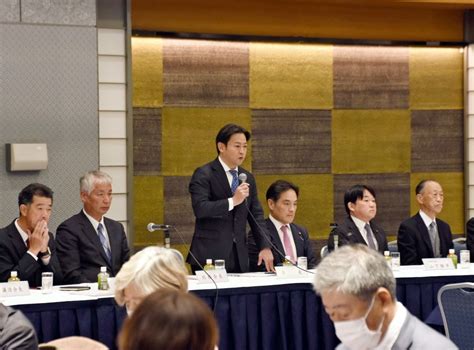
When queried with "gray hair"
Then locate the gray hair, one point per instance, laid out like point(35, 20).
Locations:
point(150, 269)
point(356, 270)
point(92, 178)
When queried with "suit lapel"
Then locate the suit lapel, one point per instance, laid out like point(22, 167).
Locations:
point(355, 232)
point(17, 241)
point(91, 234)
point(275, 237)
point(425, 235)
point(299, 240)
point(378, 235)
point(221, 178)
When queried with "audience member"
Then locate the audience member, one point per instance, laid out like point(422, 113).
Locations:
point(223, 207)
point(424, 235)
point(73, 343)
point(359, 225)
point(88, 240)
point(16, 332)
point(148, 270)
point(170, 320)
point(288, 238)
point(357, 289)
point(26, 245)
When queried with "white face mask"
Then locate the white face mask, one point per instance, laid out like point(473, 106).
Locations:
point(356, 335)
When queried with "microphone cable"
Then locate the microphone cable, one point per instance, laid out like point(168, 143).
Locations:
point(271, 243)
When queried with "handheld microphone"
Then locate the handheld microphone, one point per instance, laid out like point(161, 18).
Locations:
point(151, 227)
point(242, 177)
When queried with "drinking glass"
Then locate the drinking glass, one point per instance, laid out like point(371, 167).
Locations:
point(219, 264)
point(46, 282)
point(395, 261)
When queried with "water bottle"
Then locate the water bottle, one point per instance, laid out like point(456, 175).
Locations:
point(103, 279)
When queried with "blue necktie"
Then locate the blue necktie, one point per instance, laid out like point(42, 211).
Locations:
point(103, 241)
point(235, 180)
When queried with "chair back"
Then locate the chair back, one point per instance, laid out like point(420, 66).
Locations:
point(392, 246)
point(456, 302)
point(324, 251)
point(459, 244)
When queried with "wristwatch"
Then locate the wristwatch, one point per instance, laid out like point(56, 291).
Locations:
point(42, 255)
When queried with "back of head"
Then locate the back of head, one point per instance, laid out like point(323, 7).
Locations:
point(171, 320)
point(150, 269)
point(91, 178)
point(356, 270)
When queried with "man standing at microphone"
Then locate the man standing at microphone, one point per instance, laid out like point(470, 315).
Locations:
point(222, 206)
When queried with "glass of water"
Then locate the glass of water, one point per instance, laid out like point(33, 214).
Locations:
point(47, 282)
point(465, 257)
point(302, 262)
point(395, 261)
point(219, 264)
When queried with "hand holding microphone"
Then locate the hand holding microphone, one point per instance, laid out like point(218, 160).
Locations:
point(243, 191)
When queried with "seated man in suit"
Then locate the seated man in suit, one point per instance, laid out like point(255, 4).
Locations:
point(26, 245)
point(288, 239)
point(88, 240)
point(358, 226)
point(358, 292)
point(423, 235)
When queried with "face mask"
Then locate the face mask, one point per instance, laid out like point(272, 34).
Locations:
point(356, 335)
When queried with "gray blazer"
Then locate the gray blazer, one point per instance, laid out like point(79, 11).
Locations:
point(16, 332)
point(415, 335)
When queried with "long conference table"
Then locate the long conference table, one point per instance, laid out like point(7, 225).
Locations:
point(254, 311)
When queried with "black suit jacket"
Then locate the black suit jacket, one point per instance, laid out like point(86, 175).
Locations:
point(470, 237)
point(217, 228)
point(302, 243)
point(80, 252)
point(414, 241)
point(348, 233)
point(14, 257)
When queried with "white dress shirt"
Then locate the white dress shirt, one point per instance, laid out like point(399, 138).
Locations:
point(229, 179)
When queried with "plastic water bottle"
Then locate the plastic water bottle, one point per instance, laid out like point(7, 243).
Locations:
point(453, 257)
point(13, 277)
point(209, 265)
point(103, 279)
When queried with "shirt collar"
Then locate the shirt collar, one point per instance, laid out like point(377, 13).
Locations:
point(277, 223)
point(93, 221)
point(394, 328)
point(359, 223)
point(426, 219)
point(225, 166)
point(23, 234)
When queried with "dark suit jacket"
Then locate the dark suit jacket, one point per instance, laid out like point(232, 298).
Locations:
point(348, 233)
point(14, 257)
point(80, 252)
point(216, 228)
point(414, 241)
point(302, 243)
point(470, 237)
point(16, 330)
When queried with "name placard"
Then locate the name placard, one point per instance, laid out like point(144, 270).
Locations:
point(438, 264)
point(13, 289)
point(290, 272)
point(219, 275)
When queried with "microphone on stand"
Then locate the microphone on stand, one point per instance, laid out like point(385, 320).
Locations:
point(151, 227)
